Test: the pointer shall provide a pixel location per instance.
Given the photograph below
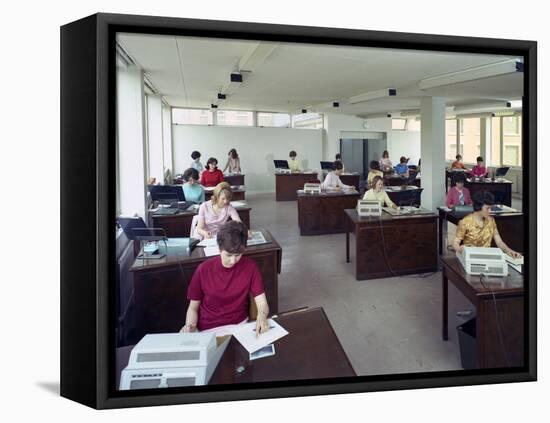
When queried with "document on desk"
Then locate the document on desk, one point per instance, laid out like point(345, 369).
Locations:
point(211, 251)
point(208, 242)
point(246, 335)
point(238, 203)
point(256, 238)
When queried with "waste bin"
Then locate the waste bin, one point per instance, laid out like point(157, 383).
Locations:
point(467, 342)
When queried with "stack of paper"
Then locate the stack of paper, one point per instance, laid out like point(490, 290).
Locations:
point(246, 335)
point(256, 238)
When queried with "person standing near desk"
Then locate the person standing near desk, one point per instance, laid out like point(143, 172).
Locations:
point(479, 171)
point(458, 195)
point(332, 180)
point(213, 214)
point(196, 163)
point(374, 171)
point(293, 164)
point(193, 191)
point(479, 228)
point(212, 176)
point(385, 162)
point(233, 162)
point(402, 169)
point(377, 193)
point(220, 287)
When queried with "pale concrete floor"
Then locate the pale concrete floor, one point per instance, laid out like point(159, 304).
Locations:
point(390, 325)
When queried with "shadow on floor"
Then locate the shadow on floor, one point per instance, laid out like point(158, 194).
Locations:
point(51, 387)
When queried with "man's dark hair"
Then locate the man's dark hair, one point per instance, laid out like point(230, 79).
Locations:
point(479, 159)
point(402, 160)
point(292, 154)
point(232, 237)
point(338, 156)
point(191, 173)
point(459, 177)
point(374, 165)
point(337, 165)
point(458, 157)
point(483, 198)
point(195, 155)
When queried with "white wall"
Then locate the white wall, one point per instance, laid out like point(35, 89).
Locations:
point(130, 142)
point(257, 148)
point(405, 143)
point(154, 138)
point(167, 137)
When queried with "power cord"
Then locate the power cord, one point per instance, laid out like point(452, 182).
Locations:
point(482, 276)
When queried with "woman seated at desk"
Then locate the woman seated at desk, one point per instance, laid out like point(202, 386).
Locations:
point(457, 164)
point(193, 191)
point(293, 163)
point(377, 193)
point(212, 176)
point(402, 169)
point(220, 287)
point(458, 195)
point(374, 171)
point(479, 171)
point(213, 214)
point(385, 162)
point(479, 228)
point(233, 162)
point(332, 180)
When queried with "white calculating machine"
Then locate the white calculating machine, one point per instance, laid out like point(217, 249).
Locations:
point(369, 208)
point(312, 188)
point(482, 260)
point(172, 359)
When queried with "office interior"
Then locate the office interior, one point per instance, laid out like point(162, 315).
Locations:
point(319, 100)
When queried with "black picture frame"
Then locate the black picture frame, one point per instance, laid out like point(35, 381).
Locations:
point(88, 207)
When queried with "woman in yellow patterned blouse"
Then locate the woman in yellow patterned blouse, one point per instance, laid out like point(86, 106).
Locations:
point(479, 228)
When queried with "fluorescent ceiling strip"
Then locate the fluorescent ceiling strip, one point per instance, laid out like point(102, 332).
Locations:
point(374, 95)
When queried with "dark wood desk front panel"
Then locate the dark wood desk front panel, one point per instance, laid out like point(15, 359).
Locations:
point(311, 350)
point(386, 246)
point(351, 179)
point(324, 213)
point(234, 180)
point(499, 326)
point(502, 191)
point(179, 225)
point(510, 228)
point(160, 286)
point(286, 184)
point(237, 190)
point(395, 181)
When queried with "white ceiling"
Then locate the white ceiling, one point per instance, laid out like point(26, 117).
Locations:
point(189, 72)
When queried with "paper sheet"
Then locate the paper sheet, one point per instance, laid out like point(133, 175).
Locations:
point(211, 251)
point(238, 203)
point(208, 242)
point(246, 335)
point(257, 238)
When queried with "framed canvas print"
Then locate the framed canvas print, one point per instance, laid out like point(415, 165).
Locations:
point(259, 211)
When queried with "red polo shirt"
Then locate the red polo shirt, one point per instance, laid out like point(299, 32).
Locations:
point(223, 292)
point(211, 179)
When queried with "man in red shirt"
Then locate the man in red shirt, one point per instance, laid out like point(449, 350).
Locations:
point(212, 176)
point(219, 289)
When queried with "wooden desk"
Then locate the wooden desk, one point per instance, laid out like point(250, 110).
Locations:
point(160, 285)
point(234, 179)
point(392, 245)
point(501, 190)
point(510, 227)
point(351, 179)
point(179, 225)
point(324, 213)
point(311, 350)
point(504, 319)
point(238, 193)
point(409, 195)
point(396, 180)
point(286, 184)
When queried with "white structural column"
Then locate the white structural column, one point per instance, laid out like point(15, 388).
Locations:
point(432, 151)
point(167, 139)
point(131, 187)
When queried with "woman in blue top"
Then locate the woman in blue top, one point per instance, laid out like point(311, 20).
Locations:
point(402, 168)
point(193, 191)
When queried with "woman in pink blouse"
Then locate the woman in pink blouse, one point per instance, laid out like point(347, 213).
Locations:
point(479, 171)
point(215, 212)
point(458, 195)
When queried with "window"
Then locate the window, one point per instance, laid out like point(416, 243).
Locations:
point(235, 118)
point(495, 141)
point(470, 139)
point(511, 141)
point(450, 139)
point(398, 124)
point(192, 117)
point(413, 125)
point(307, 121)
point(279, 120)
